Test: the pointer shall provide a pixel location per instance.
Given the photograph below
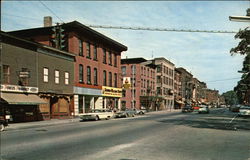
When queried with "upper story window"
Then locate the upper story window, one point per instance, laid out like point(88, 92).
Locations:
point(66, 78)
point(80, 47)
point(95, 76)
point(115, 80)
point(80, 73)
point(45, 75)
point(88, 48)
point(88, 75)
point(104, 78)
point(57, 77)
point(115, 60)
point(24, 80)
point(104, 56)
point(133, 68)
point(6, 74)
point(110, 58)
point(123, 70)
point(159, 68)
point(110, 79)
point(95, 53)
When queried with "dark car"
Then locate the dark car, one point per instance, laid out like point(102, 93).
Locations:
point(187, 108)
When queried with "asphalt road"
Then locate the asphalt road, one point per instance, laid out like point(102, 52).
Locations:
point(154, 136)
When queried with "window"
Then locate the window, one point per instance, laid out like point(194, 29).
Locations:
point(123, 70)
point(95, 77)
point(23, 77)
point(80, 103)
point(88, 50)
point(104, 56)
point(158, 68)
point(158, 90)
point(141, 70)
point(88, 75)
point(104, 78)
point(110, 79)
point(6, 74)
point(133, 68)
point(45, 75)
point(81, 73)
point(115, 60)
point(115, 80)
point(158, 79)
point(110, 58)
point(56, 76)
point(95, 53)
point(66, 78)
point(80, 47)
point(123, 93)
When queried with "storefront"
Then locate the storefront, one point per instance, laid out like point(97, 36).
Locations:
point(21, 103)
point(111, 97)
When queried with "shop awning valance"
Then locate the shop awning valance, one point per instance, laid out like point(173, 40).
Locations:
point(22, 99)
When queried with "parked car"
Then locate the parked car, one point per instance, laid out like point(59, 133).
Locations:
point(203, 109)
point(187, 108)
point(196, 108)
point(130, 112)
point(244, 111)
point(234, 108)
point(97, 114)
point(120, 114)
point(140, 111)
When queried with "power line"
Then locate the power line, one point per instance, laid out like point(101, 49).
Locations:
point(158, 29)
point(51, 11)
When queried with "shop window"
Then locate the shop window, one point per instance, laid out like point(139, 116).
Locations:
point(80, 104)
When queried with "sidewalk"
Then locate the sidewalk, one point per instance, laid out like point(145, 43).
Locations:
point(37, 124)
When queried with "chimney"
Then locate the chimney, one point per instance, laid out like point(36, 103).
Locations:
point(47, 21)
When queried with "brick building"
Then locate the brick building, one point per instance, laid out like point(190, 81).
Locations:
point(141, 72)
point(97, 67)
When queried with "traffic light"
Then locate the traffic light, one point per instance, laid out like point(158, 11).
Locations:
point(58, 37)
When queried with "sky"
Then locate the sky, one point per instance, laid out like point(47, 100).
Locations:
point(205, 55)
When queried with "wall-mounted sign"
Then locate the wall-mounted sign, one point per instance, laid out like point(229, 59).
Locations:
point(111, 92)
point(23, 74)
point(15, 88)
point(126, 83)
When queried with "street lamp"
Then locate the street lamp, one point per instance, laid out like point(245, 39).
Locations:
point(241, 18)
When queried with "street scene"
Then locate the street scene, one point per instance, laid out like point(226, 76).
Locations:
point(125, 80)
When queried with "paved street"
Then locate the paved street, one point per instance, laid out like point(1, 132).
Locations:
point(154, 136)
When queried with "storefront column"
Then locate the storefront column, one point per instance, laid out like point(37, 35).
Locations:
point(76, 105)
point(92, 103)
point(119, 104)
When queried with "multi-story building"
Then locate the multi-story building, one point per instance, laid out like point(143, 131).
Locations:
point(164, 82)
point(178, 103)
point(35, 80)
point(187, 85)
point(142, 77)
point(97, 67)
point(212, 97)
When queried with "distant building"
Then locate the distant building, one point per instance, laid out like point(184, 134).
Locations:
point(141, 74)
point(178, 103)
point(164, 83)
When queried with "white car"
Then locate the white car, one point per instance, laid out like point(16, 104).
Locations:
point(97, 114)
point(203, 109)
point(244, 111)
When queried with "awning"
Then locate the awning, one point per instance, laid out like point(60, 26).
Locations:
point(24, 99)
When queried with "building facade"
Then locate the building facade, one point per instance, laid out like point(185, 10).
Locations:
point(97, 66)
point(28, 80)
point(141, 92)
point(164, 83)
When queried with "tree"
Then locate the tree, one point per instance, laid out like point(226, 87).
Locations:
point(243, 48)
point(231, 97)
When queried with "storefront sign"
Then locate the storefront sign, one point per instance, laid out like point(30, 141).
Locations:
point(15, 88)
point(111, 92)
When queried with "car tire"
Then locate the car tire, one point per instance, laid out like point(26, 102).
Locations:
point(2, 127)
point(127, 115)
point(96, 118)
